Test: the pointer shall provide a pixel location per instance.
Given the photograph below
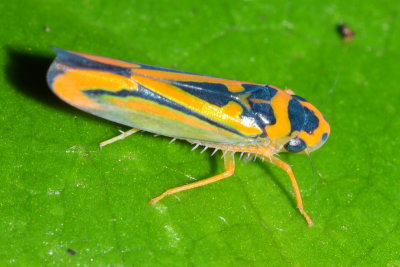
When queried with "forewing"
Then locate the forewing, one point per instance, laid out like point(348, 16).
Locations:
point(159, 100)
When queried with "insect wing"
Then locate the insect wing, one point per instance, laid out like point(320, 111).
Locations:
point(159, 100)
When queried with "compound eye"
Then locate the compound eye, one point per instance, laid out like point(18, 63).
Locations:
point(295, 145)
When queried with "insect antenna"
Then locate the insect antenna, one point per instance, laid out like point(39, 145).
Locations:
point(333, 87)
point(314, 175)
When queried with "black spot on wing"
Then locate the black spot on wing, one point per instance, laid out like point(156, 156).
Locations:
point(311, 121)
point(262, 112)
point(296, 115)
point(214, 93)
point(248, 87)
point(101, 92)
point(66, 58)
point(260, 91)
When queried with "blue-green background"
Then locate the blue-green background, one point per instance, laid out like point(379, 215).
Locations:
point(59, 191)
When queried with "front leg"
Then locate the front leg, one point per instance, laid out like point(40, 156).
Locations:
point(286, 167)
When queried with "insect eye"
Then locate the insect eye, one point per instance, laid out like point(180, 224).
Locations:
point(295, 145)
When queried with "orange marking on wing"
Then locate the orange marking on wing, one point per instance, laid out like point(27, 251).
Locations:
point(158, 111)
point(69, 85)
point(232, 109)
point(280, 104)
point(208, 110)
point(107, 60)
point(232, 85)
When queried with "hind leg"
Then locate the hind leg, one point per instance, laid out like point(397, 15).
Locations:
point(229, 162)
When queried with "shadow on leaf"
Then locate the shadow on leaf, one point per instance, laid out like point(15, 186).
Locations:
point(27, 72)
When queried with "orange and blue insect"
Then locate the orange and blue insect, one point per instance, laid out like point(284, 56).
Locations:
point(228, 115)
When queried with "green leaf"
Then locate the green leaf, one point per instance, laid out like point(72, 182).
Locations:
point(63, 201)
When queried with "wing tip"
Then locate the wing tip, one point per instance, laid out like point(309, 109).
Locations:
point(55, 68)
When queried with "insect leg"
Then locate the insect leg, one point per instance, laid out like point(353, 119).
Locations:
point(286, 167)
point(118, 137)
point(229, 162)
